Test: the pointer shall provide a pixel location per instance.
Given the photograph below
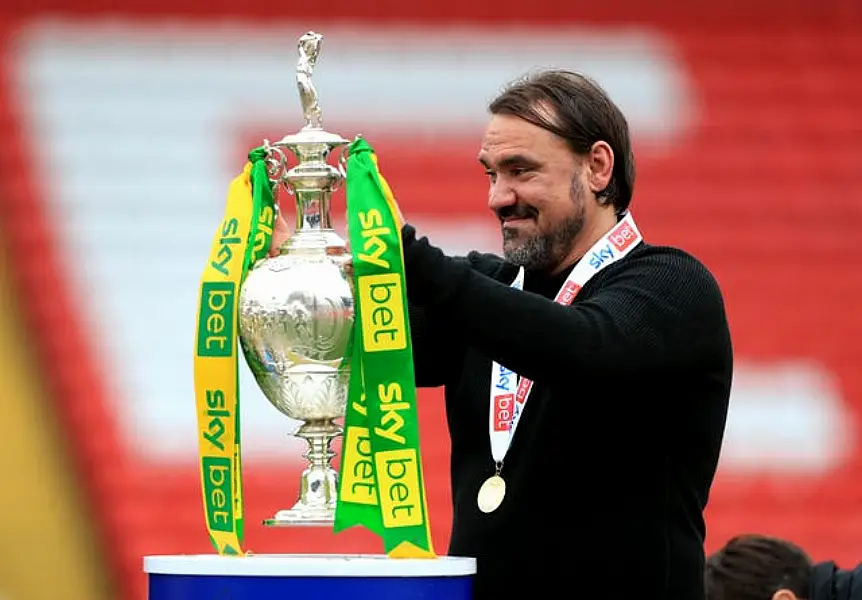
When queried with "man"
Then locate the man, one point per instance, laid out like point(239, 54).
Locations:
point(612, 364)
point(760, 567)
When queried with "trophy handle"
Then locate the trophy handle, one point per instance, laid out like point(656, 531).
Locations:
point(277, 167)
point(341, 165)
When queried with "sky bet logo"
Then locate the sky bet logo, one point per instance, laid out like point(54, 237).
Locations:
point(620, 238)
point(215, 328)
point(503, 406)
point(568, 293)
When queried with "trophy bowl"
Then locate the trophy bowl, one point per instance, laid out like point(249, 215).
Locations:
point(296, 316)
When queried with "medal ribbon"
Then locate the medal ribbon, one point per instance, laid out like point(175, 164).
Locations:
point(242, 239)
point(509, 393)
point(381, 485)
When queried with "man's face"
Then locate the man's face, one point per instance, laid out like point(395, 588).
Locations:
point(536, 190)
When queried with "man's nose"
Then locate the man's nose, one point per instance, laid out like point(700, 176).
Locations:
point(500, 195)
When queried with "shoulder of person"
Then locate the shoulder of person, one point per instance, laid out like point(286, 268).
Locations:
point(667, 263)
point(829, 581)
point(670, 271)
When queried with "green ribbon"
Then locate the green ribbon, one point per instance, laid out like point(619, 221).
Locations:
point(381, 484)
point(262, 212)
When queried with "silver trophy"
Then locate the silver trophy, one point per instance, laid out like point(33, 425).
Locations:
point(296, 308)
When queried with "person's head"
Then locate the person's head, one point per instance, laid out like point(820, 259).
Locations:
point(758, 567)
point(560, 162)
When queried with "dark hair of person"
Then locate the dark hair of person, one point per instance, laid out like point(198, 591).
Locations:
point(754, 567)
point(578, 110)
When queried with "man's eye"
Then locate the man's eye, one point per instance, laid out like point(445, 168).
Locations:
point(491, 174)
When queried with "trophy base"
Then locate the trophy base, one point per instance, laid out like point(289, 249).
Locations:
point(303, 516)
point(318, 486)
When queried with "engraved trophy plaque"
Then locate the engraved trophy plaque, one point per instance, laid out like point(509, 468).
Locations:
point(296, 308)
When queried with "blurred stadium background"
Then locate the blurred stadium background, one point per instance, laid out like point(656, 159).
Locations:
point(122, 123)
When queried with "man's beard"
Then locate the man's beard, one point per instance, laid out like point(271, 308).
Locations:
point(545, 251)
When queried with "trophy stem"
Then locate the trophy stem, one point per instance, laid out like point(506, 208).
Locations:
point(318, 486)
point(319, 436)
point(312, 210)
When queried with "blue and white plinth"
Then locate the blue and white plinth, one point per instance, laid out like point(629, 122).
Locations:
point(311, 576)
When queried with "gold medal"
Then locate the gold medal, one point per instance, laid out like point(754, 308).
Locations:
point(491, 494)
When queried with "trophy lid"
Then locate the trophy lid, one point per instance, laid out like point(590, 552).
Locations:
point(311, 135)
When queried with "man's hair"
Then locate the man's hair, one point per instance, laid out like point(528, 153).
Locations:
point(578, 110)
point(754, 567)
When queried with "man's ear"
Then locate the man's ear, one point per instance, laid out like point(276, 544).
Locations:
point(600, 162)
point(784, 595)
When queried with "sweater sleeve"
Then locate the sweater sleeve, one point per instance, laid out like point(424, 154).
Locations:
point(437, 349)
point(662, 310)
point(433, 350)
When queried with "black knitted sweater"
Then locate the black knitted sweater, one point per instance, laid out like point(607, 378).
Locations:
point(611, 466)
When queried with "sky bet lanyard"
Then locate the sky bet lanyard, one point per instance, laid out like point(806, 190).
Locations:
point(508, 394)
